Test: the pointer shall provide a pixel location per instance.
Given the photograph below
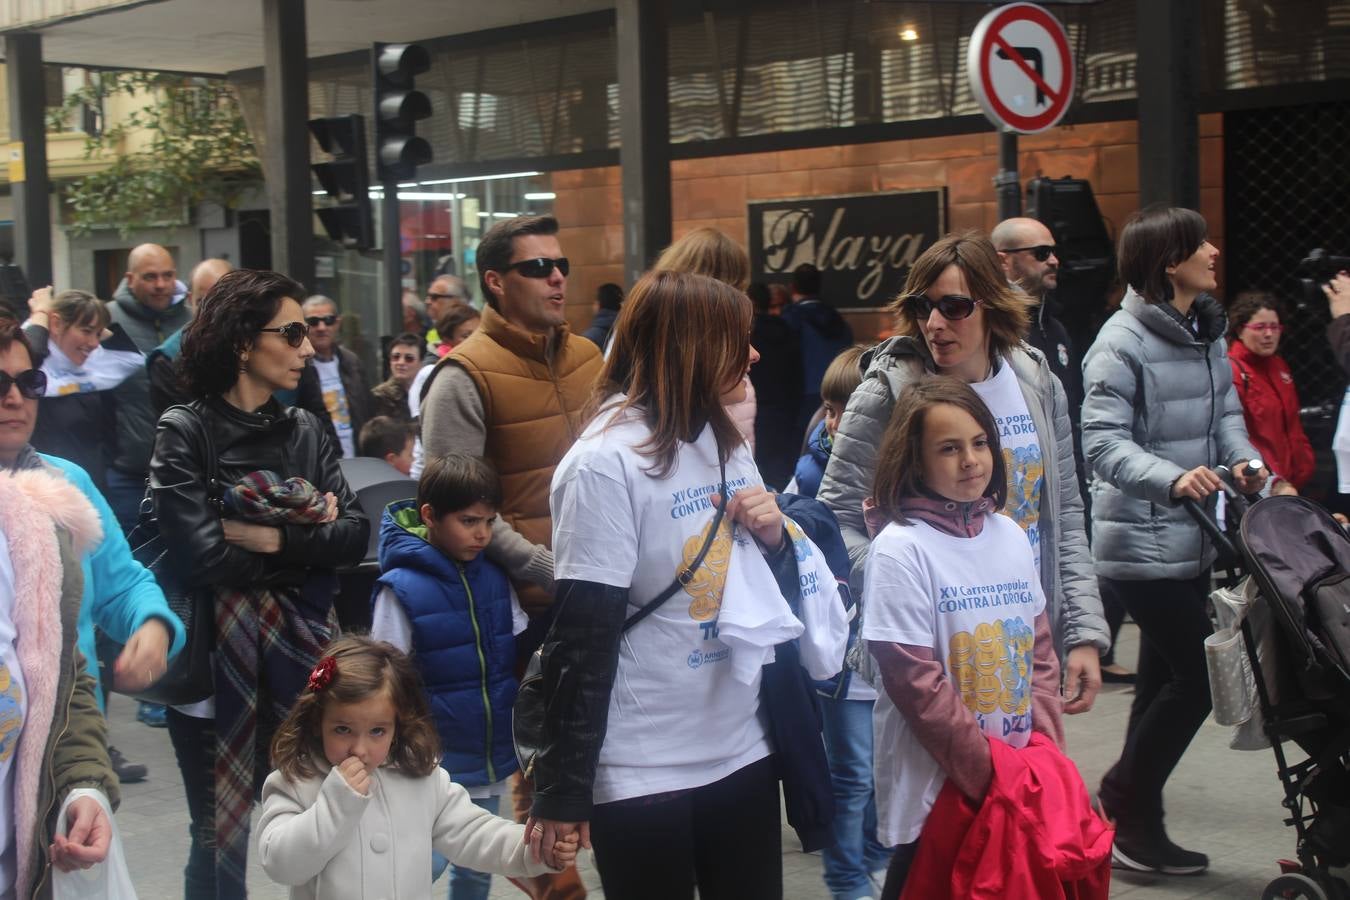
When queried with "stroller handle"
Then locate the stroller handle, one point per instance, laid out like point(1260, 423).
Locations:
point(1210, 527)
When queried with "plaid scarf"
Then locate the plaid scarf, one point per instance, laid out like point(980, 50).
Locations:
point(268, 638)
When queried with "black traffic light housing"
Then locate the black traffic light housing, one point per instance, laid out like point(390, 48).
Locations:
point(398, 107)
point(345, 178)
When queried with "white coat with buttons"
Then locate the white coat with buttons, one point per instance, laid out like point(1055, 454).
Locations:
point(327, 842)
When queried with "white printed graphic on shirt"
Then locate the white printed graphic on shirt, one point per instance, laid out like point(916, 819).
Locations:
point(335, 401)
point(1021, 452)
point(616, 524)
point(973, 601)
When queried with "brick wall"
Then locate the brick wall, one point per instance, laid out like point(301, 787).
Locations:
point(714, 191)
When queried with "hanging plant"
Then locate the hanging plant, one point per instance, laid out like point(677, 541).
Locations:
point(197, 148)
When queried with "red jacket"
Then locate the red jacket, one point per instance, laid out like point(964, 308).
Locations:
point(1270, 408)
point(1034, 836)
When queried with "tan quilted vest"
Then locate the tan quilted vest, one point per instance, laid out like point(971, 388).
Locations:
point(532, 403)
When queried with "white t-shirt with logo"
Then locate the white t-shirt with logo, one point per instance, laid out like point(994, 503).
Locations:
point(677, 717)
point(13, 709)
point(335, 400)
point(974, 601)
point(1021, 451)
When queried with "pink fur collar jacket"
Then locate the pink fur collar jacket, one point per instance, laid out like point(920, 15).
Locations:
point(47, 524)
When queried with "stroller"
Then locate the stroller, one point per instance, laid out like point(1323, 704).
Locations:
point(1298, 558)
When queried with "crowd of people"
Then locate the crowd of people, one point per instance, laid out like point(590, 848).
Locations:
point(744, 559)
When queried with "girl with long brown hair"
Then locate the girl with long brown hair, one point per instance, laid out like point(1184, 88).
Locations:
point(956, 620)
point(648, 730)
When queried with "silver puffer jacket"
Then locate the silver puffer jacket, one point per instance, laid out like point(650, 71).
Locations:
point(1159, 402)
point(1074, 605)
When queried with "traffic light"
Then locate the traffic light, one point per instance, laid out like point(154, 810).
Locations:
point(345, 178)
point(399, 151)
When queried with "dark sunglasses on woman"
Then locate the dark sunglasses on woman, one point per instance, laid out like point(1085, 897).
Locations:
point(951, 306)
point(1042, 252)
point(539, 266)
point(294, 332)
point(32, 383)
point(311, 321)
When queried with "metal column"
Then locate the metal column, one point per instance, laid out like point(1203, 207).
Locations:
point(1169, 131)
point(641, 35)
point(1007, 182)
point(286, 108)
point(28, 127)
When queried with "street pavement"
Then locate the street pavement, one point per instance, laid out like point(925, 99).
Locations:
point(1223, 802)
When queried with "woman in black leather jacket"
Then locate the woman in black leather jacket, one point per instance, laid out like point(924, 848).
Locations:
point(247, 341)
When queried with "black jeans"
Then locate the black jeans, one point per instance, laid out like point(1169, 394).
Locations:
point(1113, 610)
point(725, 838)
point(897, 873)
point(194, 745)
point(1171, 695)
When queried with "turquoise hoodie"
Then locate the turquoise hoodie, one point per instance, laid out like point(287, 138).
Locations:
point(120, 594)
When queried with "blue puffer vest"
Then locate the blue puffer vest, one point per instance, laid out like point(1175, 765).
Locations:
point(462, 645)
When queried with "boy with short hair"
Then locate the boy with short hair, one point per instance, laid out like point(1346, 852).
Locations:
point(442, 599)
point(856, 858)
point(391, 440)
point(842, 377)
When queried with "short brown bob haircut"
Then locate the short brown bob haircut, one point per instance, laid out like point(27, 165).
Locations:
point(707, 251)
point(900, 457)
point(1006, 313)
point(363, 668)
point(1154, 238)
point(679, 340)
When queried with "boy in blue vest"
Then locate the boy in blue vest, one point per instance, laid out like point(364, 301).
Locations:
point(440, 599)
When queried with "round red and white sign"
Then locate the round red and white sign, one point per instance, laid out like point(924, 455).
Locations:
point(1020, 68)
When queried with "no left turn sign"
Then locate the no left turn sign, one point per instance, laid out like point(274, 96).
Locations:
point(1020, 68)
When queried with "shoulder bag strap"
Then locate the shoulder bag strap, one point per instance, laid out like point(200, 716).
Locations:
point(214, 489)
point(688, 574)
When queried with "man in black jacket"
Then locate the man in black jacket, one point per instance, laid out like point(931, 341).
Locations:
point(339, 373)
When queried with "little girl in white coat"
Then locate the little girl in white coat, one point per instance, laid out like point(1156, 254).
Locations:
point(358, 800)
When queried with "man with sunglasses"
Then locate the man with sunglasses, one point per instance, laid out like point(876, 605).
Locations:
point(1030, 261)
point(338, 372)
point(445, 292)
point(513, 392)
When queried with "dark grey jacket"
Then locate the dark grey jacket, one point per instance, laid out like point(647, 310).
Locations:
point(136, 418)
point(1159, 402)
point(1074, 606)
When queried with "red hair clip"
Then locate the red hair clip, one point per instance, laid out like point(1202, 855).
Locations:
point(323, 673)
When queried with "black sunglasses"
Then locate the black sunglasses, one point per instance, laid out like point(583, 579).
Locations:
point(540, 266)
point(437, 295)
point(951, 306)
point(32, 383)
point(1042, 252)
point(311, 321)
point(294, 332)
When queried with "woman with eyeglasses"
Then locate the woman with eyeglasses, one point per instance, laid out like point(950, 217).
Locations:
point(1160, 415)
point(1266, 390)
point(270, 574)
point(958, 316)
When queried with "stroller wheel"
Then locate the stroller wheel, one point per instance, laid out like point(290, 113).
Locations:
point(1293, 885)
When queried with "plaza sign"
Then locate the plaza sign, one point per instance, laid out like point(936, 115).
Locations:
point(863, 244)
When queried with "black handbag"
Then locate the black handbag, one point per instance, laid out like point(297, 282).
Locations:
point(527, 714)
point(188, 678)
